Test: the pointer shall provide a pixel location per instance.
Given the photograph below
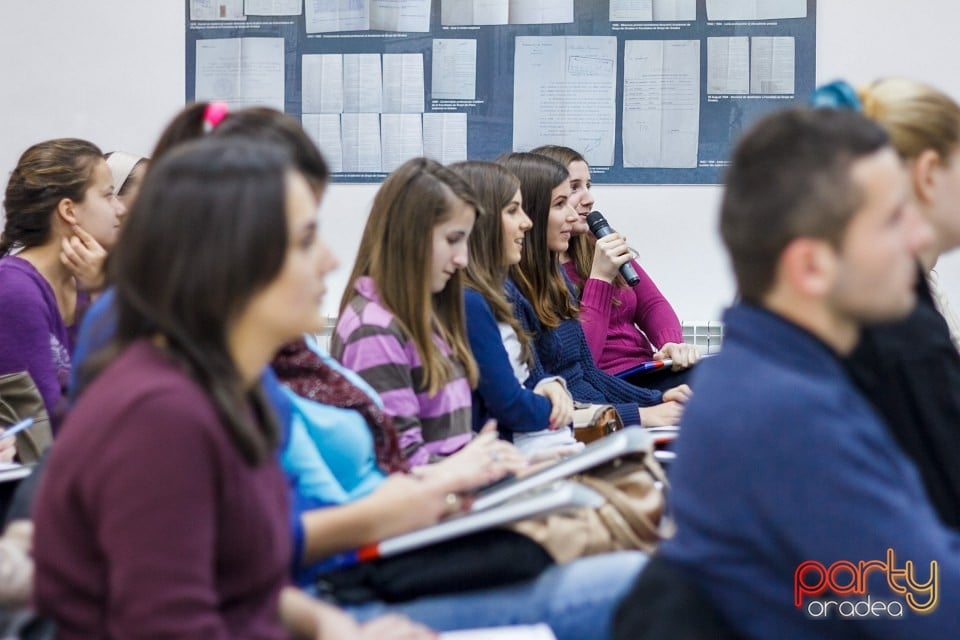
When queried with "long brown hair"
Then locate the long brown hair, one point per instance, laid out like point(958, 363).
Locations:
point(46, 173)
point(538, 275)
point(207, 233)
point(582, 247)
point(393, 252)
point(486, 272)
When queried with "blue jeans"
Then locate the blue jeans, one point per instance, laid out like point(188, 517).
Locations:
point(576, 599)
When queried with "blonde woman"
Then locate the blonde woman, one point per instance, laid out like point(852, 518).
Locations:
point(910, 369)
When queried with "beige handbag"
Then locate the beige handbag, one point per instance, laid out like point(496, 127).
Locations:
point(19, 399)
point(633, 515)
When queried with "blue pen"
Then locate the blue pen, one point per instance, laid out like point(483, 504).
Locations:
point(17, 428)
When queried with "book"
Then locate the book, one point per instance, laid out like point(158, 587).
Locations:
point(10, 471)
point(618, 443)
point(545, 499)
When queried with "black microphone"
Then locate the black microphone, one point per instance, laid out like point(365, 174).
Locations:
point(600, 228)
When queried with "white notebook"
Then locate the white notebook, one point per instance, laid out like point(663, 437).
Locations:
point(619, 443)
point(10, 471)
point(547, 499)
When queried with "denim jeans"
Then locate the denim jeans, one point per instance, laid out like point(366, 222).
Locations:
point(576, 599)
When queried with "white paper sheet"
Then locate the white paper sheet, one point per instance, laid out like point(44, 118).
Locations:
point(401, 138)
point(756, 9)
point(772, 65)
point(661, 103)
point(273, 7)
point(324, 130)
point(541, 11)
point(400, 15)
point(323, 16)
point(728, 65)
point(655, 10)
point(445, 137)
point(216, 10)
point(667, 10)
point(474, 12)
point(361, 142)
point(454, 75)
point(362, 84)
point(322, 85)
point(631, 10)
point(241, 71)
point(403, 83)
point(564, 91)
point(536, 632)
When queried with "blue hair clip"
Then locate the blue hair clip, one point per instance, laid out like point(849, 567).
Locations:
point(838, 94)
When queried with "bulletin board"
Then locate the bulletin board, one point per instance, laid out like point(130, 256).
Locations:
point(650, 91)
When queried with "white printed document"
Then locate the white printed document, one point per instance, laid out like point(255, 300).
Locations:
point(273, 7)
point(652, 10)
point(454, 73)
point(400, 15)
point(756, 9)
point(324, 130)
point(216, 10)
point(772, 67)
point(401, 138)
point(445, 137)
point(728, 65)
point(403, 83)
point(322, 84)
point(361, 142)
point(541, 11)
point(474, 12)
point(564, 92)
point(661, 103)
point(241, 71)
point(324, 16)
point(362, 83)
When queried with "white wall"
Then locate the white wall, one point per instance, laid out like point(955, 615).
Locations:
point(112, 71)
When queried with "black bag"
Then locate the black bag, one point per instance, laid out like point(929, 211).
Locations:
point(489, 558)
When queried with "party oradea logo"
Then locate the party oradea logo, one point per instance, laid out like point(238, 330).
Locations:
point(840, 590)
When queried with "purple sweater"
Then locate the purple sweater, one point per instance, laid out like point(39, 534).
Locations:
point(33, 336)
point(369, 341)
point(149, 523)
point(620, 336)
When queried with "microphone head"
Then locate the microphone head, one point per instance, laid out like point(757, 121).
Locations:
point(595, 220)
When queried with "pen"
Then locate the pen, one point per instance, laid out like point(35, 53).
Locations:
point(653, 365)
point(16, 428)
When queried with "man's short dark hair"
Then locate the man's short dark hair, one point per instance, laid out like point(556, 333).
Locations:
point(789, 178)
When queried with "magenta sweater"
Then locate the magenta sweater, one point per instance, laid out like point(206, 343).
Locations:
point(620, 336)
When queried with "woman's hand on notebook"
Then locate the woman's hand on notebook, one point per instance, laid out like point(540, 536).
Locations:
point(484, 460)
